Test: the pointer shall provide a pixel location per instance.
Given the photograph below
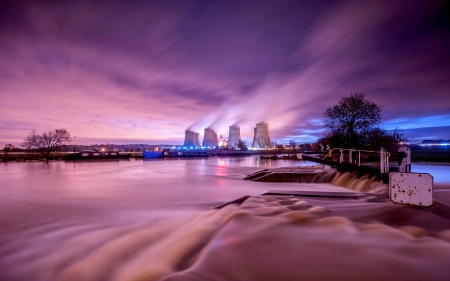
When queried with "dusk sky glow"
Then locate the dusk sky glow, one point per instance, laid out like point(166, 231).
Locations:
point(144, 71)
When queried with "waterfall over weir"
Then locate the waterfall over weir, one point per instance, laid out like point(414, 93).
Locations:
point(361, 184)
point(320, 174)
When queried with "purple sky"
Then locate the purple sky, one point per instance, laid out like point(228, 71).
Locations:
point(144, 71)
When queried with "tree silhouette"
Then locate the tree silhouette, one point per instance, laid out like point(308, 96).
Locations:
point(8, 148)
point(46, 142)
point(241, 145)
point(293, 144)
point(347, 122)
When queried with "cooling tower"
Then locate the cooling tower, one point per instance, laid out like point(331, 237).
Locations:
point(197, 139)
point(189, 138)
point(210, 138)
point(234, 136)
point(261, 138)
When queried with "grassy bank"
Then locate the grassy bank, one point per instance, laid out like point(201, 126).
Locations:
point(430, 156)
point(30, 156)
point(418, 156)
point(23, 157)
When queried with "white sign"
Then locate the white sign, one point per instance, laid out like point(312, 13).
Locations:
point(411, 188)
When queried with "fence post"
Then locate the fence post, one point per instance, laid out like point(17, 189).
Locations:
point(384, 161)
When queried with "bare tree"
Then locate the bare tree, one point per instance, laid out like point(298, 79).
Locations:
point(241, 145)
point(46, 142)
point(8, 148)
point(398, 135)
point(293, 144)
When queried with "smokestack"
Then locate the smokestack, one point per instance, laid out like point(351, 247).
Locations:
point(197, 139)
point(234, 136)
point(261, 138)
point(210, 138)
point(189, 138)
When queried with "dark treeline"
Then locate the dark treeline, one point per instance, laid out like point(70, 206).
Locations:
point(354, 123)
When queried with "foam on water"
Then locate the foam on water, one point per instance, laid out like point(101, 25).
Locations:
point(315, 245)
point(265, 238)
point(361, 184)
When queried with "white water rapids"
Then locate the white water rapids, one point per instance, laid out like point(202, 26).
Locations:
point(152, 220)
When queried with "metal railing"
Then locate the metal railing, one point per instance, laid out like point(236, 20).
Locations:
point(384, 156)
point(357, 160)
point(384, 161)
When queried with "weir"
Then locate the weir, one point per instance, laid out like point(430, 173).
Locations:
point(403, 187)
point(308, 174)
point(353, 163)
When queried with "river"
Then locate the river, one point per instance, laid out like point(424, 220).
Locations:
point(152, 220)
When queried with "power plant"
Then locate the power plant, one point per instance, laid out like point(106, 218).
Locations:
point(190, 138)
point(197, 139)
point(261, 138)
point(234, 135)
point(210, 138)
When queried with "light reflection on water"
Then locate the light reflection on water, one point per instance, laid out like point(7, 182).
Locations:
point(158, 182)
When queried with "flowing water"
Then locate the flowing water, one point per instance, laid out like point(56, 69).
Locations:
point(152, 220)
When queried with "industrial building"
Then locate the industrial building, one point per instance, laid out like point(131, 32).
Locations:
point(261, 137)
point(190, 139)
point(210, 138)
point(234, 135)
point(197, 139)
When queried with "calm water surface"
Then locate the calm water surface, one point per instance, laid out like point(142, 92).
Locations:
point(138, 182)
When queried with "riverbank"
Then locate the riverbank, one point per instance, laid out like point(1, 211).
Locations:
point(435, 157)
point(54, 156)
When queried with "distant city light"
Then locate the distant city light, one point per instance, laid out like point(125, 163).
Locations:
point(435, 143)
